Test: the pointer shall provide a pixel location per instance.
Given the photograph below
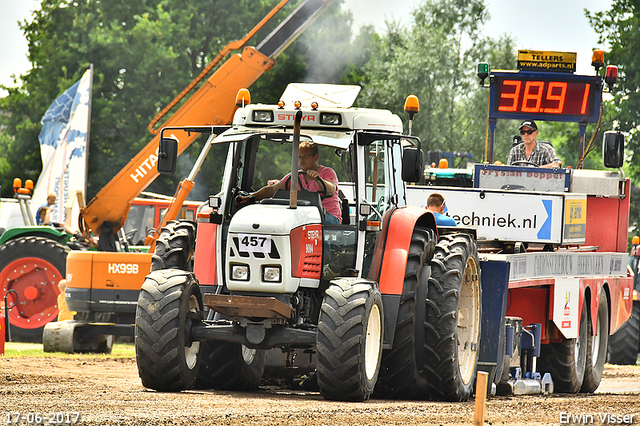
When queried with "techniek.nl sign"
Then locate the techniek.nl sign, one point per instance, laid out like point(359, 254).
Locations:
point(501, 216)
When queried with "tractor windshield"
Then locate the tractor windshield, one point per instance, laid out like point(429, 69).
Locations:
point(263, 159)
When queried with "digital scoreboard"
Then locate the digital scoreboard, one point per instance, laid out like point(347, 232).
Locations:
point(545, 96)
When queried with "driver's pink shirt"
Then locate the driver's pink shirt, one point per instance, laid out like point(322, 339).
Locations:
point(330, 204)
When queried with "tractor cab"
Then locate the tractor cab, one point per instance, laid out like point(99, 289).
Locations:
point(284, 242)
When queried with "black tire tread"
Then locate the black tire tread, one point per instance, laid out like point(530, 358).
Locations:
point(447, 271)
point(340, 341)
point(558, 358)
point(402, 371)
point(159, 344)
point(593, 373)
point(223, 368)
point(624, 344)
point(174, 246)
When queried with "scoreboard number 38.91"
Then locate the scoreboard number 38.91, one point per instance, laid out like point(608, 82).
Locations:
point(532, 95)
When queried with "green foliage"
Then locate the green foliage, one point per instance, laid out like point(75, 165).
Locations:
point(435, 59)
point(619, 27)
point(144, 54)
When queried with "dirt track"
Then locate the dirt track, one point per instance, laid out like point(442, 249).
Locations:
point(109, 392)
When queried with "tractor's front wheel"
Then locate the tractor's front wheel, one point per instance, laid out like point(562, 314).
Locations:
point(349, 341)
point(453, 315)
point(169, 304)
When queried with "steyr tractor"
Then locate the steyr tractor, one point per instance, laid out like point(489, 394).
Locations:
point(384, 300)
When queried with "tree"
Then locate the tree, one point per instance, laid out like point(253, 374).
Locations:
point(619, 27)
point(144, 54)
point(436, 59)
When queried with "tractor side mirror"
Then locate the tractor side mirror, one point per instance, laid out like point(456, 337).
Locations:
point(167, 155)
point(613, 149)
point(412, 164)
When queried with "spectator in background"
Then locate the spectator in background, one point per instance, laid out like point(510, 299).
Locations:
point(43, 215)
point(436, 205)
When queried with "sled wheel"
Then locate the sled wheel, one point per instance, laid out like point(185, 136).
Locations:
point(402, 373)
point(230, 366)
point(596, 347)
point(168, 306)
point(349, 341)
point(566, 360)
point(33, 267)
point(453, 315)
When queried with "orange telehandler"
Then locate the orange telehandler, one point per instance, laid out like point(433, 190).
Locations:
point(105, 284)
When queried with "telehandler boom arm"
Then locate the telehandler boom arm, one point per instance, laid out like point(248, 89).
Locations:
point(212, 104)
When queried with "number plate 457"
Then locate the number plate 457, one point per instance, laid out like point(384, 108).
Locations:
point(254, 243)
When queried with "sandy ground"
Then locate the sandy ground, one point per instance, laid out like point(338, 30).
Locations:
point(109, 392)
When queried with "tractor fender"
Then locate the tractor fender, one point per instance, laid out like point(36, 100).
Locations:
point(390, 260)
point(34, 231)
point(392, 246)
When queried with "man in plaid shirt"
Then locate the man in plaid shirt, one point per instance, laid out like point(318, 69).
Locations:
point(532, 152)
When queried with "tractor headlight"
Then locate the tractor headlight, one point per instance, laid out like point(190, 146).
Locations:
point(330, 119)
point(240, 272)
point(263, 116)
point(271, 274)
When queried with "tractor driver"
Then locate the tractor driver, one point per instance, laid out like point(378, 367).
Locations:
point(532, 152)
point(314, 173)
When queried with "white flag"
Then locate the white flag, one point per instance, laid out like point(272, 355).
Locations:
point(63, 147)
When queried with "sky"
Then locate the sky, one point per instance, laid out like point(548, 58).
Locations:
point(554, 25)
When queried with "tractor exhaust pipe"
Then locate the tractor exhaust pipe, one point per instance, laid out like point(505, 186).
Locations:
point(295, 152)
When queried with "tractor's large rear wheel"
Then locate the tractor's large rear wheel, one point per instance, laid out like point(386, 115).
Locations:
point(230, 366)
point(566, 360)
point(453, 315)
point(403, 371)
point(596, 347)
point(624, 344)
point(349, 341)
point(168, 306)
point(33, 267)
point(175, 246)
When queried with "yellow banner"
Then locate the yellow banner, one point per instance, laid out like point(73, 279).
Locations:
point(538, 60)
point(575, 218)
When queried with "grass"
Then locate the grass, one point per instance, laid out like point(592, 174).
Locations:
point(34, 350)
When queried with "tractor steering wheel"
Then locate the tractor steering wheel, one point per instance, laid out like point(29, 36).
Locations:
point(524, 163)
point(129, 235)
point(301, 174)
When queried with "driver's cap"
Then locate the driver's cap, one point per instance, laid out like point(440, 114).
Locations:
point(528, 123)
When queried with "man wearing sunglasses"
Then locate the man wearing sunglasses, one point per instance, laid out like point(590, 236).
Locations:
point(531, 152)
